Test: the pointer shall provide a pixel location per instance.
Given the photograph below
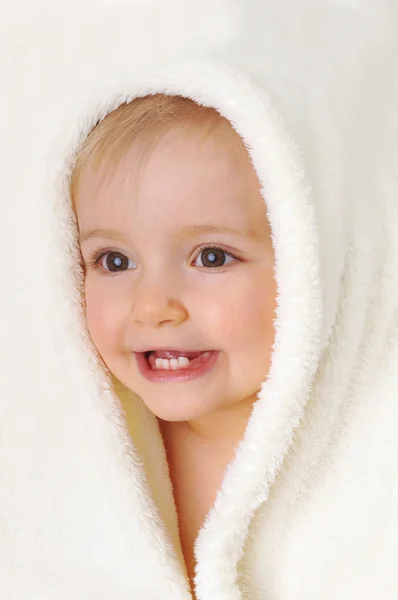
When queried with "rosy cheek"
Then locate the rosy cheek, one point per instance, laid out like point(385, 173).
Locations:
point(95, 315)
point(93, 326)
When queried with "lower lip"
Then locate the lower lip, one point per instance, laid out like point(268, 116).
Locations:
point(186, 374)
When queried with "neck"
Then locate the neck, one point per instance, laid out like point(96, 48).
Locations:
point(219, 429)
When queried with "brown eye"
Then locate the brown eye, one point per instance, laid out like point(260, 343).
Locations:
point(214, 256)
point(115, 262)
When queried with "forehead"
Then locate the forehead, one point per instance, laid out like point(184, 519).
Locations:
point(189, 173)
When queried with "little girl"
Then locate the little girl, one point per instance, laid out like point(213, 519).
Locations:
point(199, 307)
point(179, 286)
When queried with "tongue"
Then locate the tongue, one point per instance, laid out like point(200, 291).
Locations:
point(175, 354)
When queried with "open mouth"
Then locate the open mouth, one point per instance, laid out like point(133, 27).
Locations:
point(187, 360)
point(175, 368)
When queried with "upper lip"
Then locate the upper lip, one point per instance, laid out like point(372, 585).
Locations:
point(153, 348)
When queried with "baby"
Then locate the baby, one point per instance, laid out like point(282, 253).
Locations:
point(179, 281)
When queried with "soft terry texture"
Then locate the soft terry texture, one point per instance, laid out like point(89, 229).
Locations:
point(309, 508)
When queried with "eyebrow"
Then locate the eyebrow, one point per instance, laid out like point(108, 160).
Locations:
point(185, 232)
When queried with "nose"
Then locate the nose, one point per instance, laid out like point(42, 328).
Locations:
point(158, 302)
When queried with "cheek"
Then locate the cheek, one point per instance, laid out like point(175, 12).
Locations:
point(242, 312)
point(101, 314)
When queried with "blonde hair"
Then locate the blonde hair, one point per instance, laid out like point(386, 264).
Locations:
point(146, 118)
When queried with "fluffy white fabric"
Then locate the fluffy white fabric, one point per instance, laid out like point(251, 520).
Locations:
point(309, 508)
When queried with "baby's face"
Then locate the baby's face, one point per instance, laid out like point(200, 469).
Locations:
point(162, 286)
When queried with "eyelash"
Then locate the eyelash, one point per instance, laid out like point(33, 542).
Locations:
point(95, 258)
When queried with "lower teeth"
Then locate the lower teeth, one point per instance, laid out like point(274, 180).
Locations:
point(175, 365)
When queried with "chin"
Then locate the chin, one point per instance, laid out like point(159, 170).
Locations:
point(175, 411)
